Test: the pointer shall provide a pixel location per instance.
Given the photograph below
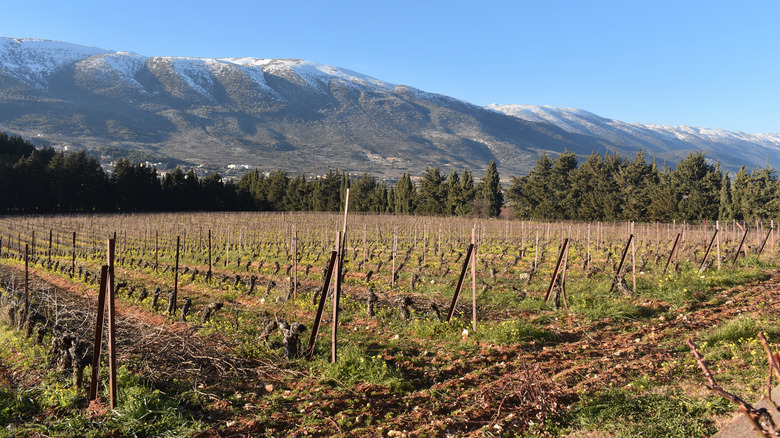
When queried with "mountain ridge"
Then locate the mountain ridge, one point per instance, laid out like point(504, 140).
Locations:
point(288, 114)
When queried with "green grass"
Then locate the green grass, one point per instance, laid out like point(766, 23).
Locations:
point(512, 332)
point(624, 413)
point(741, 329)
point(356, 366)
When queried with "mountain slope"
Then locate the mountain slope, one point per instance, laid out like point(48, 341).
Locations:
point(286, 114)
point(732, 148)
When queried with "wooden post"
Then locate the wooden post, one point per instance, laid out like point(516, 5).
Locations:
point(73, 252)
point(176, 277)
point(321, 307)
point(460, 283)
point(588, 259)
point(111, 325)
point(336, 296)
point(622, 260)
point(557, 270)
point(564, 268)
point(394, 254)
point(295, 263)
point(717, 227)
point(227, 247)
point(98, 345)
point(709, 248)
point(474, 282)
point(633, 259)
point(49, 254)
point(536, 251)
point(671, 254)
point(763, 244)
point(208, 276)
point(26, 285)
point(742, 242)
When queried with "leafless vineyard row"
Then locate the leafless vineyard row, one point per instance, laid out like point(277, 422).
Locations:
point(249, 268)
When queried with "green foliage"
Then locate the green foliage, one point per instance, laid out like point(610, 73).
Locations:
point(512, 332)
point(17, 405)
point(624, 413)
point(355, 365)
point(491, 190)
point(741, 329)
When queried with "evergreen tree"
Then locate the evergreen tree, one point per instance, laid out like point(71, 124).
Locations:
point(725, 211)
point(698, 184)
point(635, 179)
point(277, 189)
point(491, 190)
point(454, 193)
point(135, 186)
point(326, 195)
point(405, 195)
point(298, 194)
point(467, 192)
point(212, 191)
point(739, 195)
point(432, 197)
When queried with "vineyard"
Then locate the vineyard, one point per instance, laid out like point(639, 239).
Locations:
point(315, 324)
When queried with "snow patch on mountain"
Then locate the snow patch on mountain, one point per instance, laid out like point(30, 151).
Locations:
point(121, 65)
point(660, 137)
point(32, 61)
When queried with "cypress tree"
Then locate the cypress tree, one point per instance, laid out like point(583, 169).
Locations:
point(491, 190)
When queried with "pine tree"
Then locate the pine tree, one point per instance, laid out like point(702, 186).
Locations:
point(454, 193)
point(433, 195)
point(467, 193)
point(491, 190)
point(404, 195)
point(726, 209)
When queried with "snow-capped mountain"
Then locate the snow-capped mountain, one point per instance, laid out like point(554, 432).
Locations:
point(296, 115)
point(679, 140)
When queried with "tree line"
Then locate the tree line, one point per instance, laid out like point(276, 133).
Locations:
point(608, 187)
point(46, 181)
point(612, 187)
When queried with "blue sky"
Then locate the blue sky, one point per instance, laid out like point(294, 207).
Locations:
point(701, 63)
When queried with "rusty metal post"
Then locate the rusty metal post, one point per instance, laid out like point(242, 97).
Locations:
point(460, 282)
point(321, 307)
point(97, 346)
point(709, 248)
point(741, 243)
point(671, 254)
point(763, 244)
point(622, 260)
point(564, 268)
point(558, 265)
point(717, 227)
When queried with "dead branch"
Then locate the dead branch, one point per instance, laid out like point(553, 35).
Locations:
point(759, 418)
